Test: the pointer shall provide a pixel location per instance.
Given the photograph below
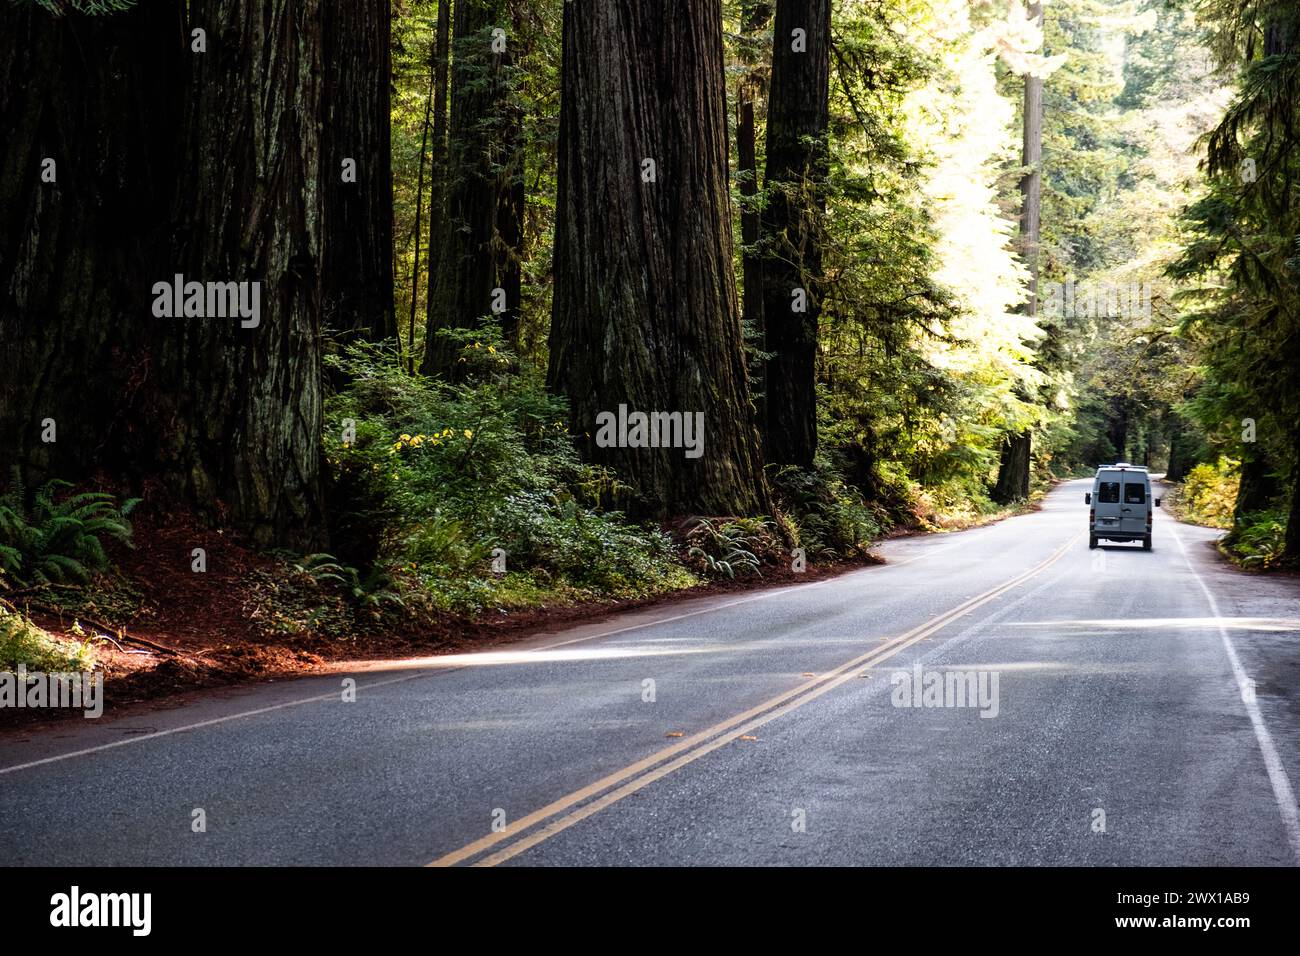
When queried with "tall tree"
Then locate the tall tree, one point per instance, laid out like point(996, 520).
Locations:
point(797, 164)
point(356, 169)
point(645, 312)
point(1244, 243)
point(1017, 449)
point(85, 149)
point(246, 402)
point(482, 166)
point(754, 17)
point(441, 66)
point(168, 159)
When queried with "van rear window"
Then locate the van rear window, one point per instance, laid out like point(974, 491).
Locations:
point(1134, 494)
point(1108, 492)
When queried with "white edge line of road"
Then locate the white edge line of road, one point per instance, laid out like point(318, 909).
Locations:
point(432, 671)
point(202, 723)
point(1277, 775)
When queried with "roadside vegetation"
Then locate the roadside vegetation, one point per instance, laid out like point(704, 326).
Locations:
point(1210, 496)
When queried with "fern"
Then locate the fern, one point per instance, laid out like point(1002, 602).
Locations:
point(58, 541)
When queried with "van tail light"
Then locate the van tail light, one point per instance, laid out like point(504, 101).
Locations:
point(1148, 519)
point(1092, 514)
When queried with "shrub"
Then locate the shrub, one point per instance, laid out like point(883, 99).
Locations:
point(1209, 494)
point(828, 518)
point(1258, 540)
point(22, 642)
point(440, 475)
point(731, 548)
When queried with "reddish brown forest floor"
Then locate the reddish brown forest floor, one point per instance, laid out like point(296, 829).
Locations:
point(209, 632)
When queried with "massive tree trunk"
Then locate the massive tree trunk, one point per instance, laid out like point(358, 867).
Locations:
point(168, 161)
point(1117, 430)
point(1031, 184)
point(797, 158)
point(357, 255)
point(247, 401)
point(1017, 451)
point(1013, 469)
point(481, 198)
point(645, 312)
point(99, 98)
point(1257, 488)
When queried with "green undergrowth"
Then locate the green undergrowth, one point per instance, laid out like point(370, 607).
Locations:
point(22, 642)
point(470, 498)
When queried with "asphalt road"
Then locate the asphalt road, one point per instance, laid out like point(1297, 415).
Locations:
point(1146, 712)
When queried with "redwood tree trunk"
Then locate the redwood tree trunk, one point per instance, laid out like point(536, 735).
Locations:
point(1013, 469)
point(482, 158)
point(1257, 488)
point(100, 96)
point(1031, 184)
point(357, 257)
point(755, 15)
point(797, 158)
point(645, 310)
point(247, 401)
point(438, 160)
point(1179, 463)
point(1017, 451)
point(170, 161)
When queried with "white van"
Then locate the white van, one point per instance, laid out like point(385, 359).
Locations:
point(1121, 505)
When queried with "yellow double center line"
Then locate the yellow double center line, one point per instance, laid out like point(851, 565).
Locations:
point(614, 787)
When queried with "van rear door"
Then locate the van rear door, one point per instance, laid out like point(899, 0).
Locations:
point(1133, 503)
point(1106, 503)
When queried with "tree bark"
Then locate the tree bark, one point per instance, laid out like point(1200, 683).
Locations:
point(247, 401)
point(1117, 430)
point(1257, 488)
point(1031, 184)
point(99, 96)
point(1013, 470)
point(482, 166)
point(1179, 463)
point(170, 161)
point(508, 245)
point(1017, 450)
point(645, 311)
point(357, 256)
point(755, 15)
point(797, 160)
point(438, 161)
point(419, 209)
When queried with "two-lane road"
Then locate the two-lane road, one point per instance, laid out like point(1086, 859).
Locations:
point(1126, 707)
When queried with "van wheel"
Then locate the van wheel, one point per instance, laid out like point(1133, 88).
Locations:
point(1092, 541)
point(1146, 543)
